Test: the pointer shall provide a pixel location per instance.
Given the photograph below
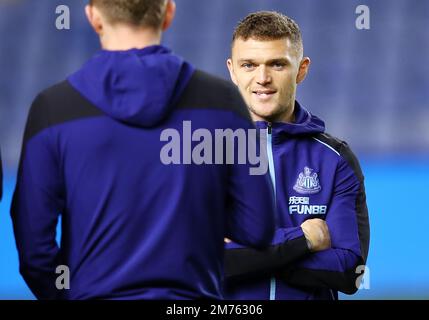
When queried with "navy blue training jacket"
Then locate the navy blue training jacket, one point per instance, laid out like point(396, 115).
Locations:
point(132, 227)
point(315, 176)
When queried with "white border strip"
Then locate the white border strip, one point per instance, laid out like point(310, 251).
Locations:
point(273, 289)
point(327, 145)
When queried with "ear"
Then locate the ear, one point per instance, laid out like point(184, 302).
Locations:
point(170, 12)
point(231, 71)
point(94, 18)
point(303, 69)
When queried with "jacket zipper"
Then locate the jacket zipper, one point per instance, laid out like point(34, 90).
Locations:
point(273, 180)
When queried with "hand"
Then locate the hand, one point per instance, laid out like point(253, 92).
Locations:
point(317, 234)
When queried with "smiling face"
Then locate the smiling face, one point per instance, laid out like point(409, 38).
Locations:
point(267, 73)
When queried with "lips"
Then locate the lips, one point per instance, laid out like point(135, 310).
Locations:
point(263, 94)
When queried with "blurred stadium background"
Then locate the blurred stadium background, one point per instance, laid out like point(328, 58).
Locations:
point(370, 86)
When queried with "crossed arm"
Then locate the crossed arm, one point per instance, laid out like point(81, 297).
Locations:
point(319, 253)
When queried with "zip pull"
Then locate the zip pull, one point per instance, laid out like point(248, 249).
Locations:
point(270, 128)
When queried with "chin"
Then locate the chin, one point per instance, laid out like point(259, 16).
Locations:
point(265, 113)
point(265, 116)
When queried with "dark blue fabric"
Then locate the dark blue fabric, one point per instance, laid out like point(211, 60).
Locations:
point(294, 148)
point(305, 123)
point(133, 228)
point(136, 86)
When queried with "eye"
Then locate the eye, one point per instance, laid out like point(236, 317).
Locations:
point(278, 65)
point(248, 65)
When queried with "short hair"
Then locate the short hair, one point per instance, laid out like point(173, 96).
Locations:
point(141, 13)
point(269, 25)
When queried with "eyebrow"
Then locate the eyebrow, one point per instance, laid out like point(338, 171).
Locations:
point(271, 61)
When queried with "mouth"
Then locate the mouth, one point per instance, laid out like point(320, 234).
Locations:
point(264, 93)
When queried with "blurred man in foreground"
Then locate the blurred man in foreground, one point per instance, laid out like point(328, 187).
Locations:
point(134, 226)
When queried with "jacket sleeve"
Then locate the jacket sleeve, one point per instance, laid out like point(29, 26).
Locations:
point(37, 202)
point(251, 210)
point(348, 223)
point(250, 203)
point(241, 263)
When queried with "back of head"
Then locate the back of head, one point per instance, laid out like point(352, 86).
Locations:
point(133, 79)
point(139, 13)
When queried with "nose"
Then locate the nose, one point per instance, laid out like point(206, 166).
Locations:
point(263, 76)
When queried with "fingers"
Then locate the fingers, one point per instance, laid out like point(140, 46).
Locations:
point(316, 232)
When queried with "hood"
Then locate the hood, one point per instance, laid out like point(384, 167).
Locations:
point(137, 86)
point(305, 123)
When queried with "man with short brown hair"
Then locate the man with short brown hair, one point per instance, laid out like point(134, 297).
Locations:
point(322, 231)
point(143, 13)
point(133, 227)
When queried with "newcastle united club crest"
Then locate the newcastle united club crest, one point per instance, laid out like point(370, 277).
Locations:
point(307, 182)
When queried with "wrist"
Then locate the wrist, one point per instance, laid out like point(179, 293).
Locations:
point(309, 244)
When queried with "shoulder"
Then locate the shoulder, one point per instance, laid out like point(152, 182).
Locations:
point(343, 150)
point(63, 99)
point(57, 104)
point(208, 91)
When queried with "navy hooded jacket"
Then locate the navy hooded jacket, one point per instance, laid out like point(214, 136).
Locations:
point(315, 176)
point(133, 227)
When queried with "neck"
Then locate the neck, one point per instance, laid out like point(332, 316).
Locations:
point(124, 37)
point(287, 117)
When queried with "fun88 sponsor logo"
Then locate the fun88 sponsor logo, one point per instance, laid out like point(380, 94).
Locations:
point(301, 205)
